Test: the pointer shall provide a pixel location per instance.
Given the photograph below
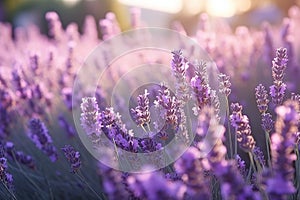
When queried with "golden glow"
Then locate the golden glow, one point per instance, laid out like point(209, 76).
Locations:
point(169, 6)
point(243, 5)
point(193, 7)
point(221, 8)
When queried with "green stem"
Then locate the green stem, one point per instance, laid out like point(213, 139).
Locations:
point(229, 131)
point(267, 136)
point(252, 162)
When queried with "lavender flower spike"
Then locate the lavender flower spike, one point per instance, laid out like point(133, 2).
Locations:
point(224, 84)
point(73, 157)
point(5, 177)
point(277, 90)
point(38, 133)
point(283, 156)
point(261, 98)
point(242, 128)
point(90, 116)
point(141, 112)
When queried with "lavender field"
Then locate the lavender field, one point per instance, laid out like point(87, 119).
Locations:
point(213, 115)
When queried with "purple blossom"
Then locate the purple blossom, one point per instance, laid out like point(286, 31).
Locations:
point(179, 67)
point(242, 128)
point(267, 122)
point(283, 156)
point(73, 157)
point(224, 84)
point(66, 126)
point(90, 116)
point(277, 90)
point(112, 183)
point(5, 177)
point(38, 133)
point(141, 113)
point(241, 165)
point(259, 155)
point(19, 156)
point(262, 100)
point(143, 187)
point(169, 106)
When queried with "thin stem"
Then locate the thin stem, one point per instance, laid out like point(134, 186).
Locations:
point(267, 136)
point(9, 191)
point(252, 162)
point(29, 179)
point(229, 131)
point(87, 184)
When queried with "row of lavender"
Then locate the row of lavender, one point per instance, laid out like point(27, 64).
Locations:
point(36, 94)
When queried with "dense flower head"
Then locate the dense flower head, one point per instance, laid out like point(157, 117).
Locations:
point(224, 84)
point(168, 105)
point(262, 100)
point(115, 130)
point(141, 113)
point(202, 91)
point(143, 187)
point(241, 165)
point(90, 116)
point(73, 157)
point(267, 122)
point(283, 143)
point(242, 128)
point(190, 169)
point(179, 67)
point(5, 177)
point(259, 155)
point(277, 90)
point(39, 134)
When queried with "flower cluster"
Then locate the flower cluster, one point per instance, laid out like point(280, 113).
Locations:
point(141, 112)
point(277, 90)
point(39, 134)
point(73, 157)
point(242, 128)
point(283, 156)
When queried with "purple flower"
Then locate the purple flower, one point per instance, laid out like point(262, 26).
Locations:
point(90, 116)
point(73, 157)
point(66, 126)
point(259, 155)
point(141, 113)
point(19, 156)
point(5, 177)
point(169, 106)
point(112, 183)
point(154, 186)
point(279, 64)
point(179, 67)
point(241, 165)
point(38, 133)
point(283, 156)
point(224, 84)
point(242, 128)
point(267, 122)
point(262, 100)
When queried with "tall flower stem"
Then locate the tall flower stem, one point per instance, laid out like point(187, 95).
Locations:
point(80, 176)
point(268, 142)
point(229, 132)
point(27, 177)
point(9, 191)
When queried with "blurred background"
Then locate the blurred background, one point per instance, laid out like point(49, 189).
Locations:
point(154, 12)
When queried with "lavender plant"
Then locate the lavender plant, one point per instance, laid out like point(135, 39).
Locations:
point(36, 98)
